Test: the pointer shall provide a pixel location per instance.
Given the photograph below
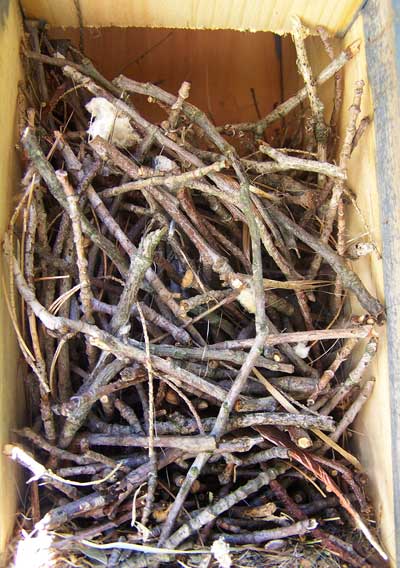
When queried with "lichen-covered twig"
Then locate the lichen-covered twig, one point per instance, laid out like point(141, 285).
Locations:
point(321, 131)
point(223, 504)
point(85, 287)
point(257, 537)
point(46, 171)
point(338, 98)
point(140, 263)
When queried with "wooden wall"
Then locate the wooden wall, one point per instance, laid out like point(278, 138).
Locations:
point(222, 65)
point(245, 15)
point(11, 399)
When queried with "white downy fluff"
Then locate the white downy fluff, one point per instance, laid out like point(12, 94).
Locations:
point(220, 551)
point(164, 164)
point(246, 296)
point(302, 350)
point(107, 123)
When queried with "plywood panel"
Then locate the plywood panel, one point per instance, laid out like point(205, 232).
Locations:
point(11, 401)
point(253, 15)
point(374, 424)
point(223, 66)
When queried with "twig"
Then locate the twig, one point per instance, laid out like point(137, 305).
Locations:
point(257, 537)
point(305, 459)
point(39, 471)
point(353, 410)
point(329, 373)
point(338, 99)
point(291, 163)
point(321, 131)
point(224, 504)
point(176, 108)
point(138, 267)
point(85, 288)
point(286, 107)
point(354, 377)
point(299, 337)
point(129, 415)
point(335, 545)
point(171, 182)
point(152, 480)
point(46, 171)
point(338, 187)
point(205, 354)
point(348, 277)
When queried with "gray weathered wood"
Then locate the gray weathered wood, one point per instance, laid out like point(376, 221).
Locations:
point(382, 43)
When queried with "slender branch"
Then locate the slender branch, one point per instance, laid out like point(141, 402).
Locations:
point(349, 279)
point(287, 162)
point(354, 377)
point(350, 414)
point(257, 537)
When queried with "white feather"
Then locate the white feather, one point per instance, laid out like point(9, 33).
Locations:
point(164, 164)
point(220, 551)
point(246, 296)
point(302, 350)
point(107, 123)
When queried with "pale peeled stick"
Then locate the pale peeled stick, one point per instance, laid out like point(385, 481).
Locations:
point(108, 123)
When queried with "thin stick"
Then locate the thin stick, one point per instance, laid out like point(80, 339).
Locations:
point(85, 288)
point(179, 334)
point(152, 479)
point(224, 504)
point(354, 377)
point(286, 107)
point(171, 384)
point(339, 88)
point(337, 546)
point(329, 373)
point(356, 332)
point(309, 463)
point(25, 459)
point(189, 444)
point(350, 414)
point(129, 415)
point(321, 131)
point(349, 279)
point(257, 537)
point(176, 108)
point(205, 354)
point(39, 366)
point(338, 187)
point(171, 182)
point(277, 114)
point(291, 163)
point(138, 267)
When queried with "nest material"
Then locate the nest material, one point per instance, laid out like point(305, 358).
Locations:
point(181, 286)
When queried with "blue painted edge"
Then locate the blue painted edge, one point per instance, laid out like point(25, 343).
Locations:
point(381, 20)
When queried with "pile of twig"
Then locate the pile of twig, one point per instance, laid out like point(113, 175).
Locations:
point(186, 375)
